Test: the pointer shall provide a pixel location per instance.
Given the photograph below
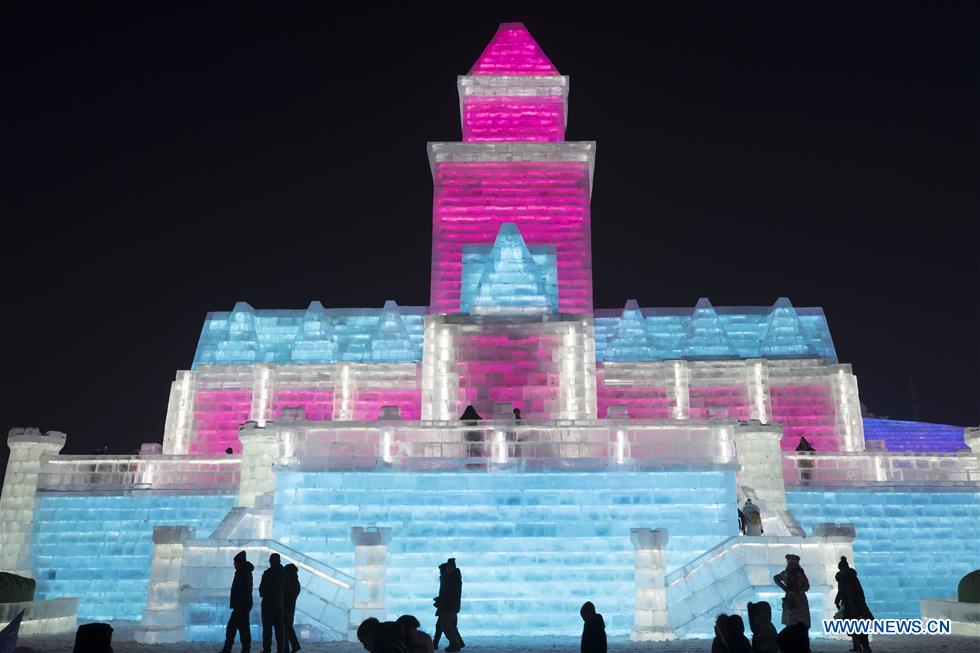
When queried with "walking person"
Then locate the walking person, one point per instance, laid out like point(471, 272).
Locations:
point(272, 589)
point(852, 603)
point(594, 630)
point(438, 634)
point(289, 606)
point(806, 466)
point(448, 605)
point(474, 439)
point(240, 604)
point(796, 607)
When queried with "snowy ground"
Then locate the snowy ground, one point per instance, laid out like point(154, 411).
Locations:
point(122, 642)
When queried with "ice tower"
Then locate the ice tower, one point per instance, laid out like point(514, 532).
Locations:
point(641, 428)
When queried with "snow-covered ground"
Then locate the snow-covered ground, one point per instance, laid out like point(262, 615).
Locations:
point(122, 642)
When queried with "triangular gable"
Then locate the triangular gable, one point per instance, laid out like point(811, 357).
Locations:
point(706, 336)
point(785, 335)
point(513, 51)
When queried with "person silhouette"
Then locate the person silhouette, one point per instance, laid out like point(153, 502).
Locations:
point(289, 606)
point(272, 589)
point(473, 438)
point(240, 604)
point(448, 605)
point(593, 631)
point(753, 518)
point(796, 608)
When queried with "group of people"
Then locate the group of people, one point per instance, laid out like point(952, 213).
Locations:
point(794, 637)
point(279, 589)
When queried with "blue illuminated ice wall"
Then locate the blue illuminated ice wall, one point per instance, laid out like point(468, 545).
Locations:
point(900, 435)
point(509, 276)
point(99, 547)
point(392, 334)
point(909, 544)
point(532, 546)
point(710, 332)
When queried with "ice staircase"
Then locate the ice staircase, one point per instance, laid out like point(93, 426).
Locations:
point(740, 570)
point(207, 571)
point(929, 534)
point(532, 547)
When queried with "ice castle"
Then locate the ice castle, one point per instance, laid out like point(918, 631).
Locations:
point(641, 429)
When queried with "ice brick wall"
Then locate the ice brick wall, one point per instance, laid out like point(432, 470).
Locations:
point(532, 547)
point(547, 200)
point(909, 544)
point(900, 435)
point(99, 547)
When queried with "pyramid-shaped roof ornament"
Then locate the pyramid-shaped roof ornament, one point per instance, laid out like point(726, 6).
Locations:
point(512, 280)
point(390, 341)
point(513, 51)
point(631, 339)
point(785, 335)
point(706, 336)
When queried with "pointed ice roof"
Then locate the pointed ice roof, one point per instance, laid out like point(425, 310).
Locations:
point(706, 336)
point(513, 51)
point(785, 334)
point(390, 341)
point(512, 278)
point(631, 339)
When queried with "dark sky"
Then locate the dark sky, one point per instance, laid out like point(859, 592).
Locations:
point(157, 163)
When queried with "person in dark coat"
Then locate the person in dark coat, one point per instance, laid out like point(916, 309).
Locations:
point(289, 606)
point(735, 635)
point(240, 604)
point(594, 630)
point(438, 634)
point(448, 605)
point(272, 589)
point(720, 643)
point(855, 606)
point(471, 418)
point(380, 637)
point(806, 466)
point(763, 632)
point(414, 639)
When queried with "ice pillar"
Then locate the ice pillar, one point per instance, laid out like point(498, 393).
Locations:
point(370, 572)
point(971, 436)
point(678, 389)
point(28, 448)
point(263, 390)
point(848, 424)
point(180, 414)
point(651, 621)
point(343, 394)
point(761, 460)
point(163, 616)
point(440, 371)
point(757, 390)
point(838, 540)
point(260, 446)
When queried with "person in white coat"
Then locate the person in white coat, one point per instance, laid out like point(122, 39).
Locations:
point(753, 518)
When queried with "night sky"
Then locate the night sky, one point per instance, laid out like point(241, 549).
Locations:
point(157, 163)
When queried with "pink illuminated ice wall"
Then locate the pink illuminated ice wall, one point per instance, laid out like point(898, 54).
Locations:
point(513, 166)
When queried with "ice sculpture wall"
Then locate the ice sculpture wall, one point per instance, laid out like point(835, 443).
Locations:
point(910, 544)
point(98, 547)
point(901, 435)
point(561, 538)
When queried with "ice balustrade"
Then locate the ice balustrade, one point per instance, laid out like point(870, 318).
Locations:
point(161, 472)
point(706, 331)
point(206, 574)
point(491, 444)
point(841, 469)
point(98, 546)
point(741, 569)
point(44, 617)
point(911, 543)
point(561, 539)
point(901, 435)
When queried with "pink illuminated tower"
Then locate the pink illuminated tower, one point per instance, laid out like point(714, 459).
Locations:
point(515, 166)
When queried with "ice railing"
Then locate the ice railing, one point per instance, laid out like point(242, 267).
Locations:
point(207, 570)
point(512, 444)
point(850, 468)
point(155, 472)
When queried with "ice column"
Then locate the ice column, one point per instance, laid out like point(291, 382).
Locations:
point(163, 617)
point(838, 541)
point(28, 447)
point(440, 373)
point(343, 394)
point(370, 572)
point(757, 390)
point(260, 446)
point(651, 621)
point(180, 414)
point(263, 390)
point(761, 459)
point(848, 424)
point(576, 377)
point(678, 389)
